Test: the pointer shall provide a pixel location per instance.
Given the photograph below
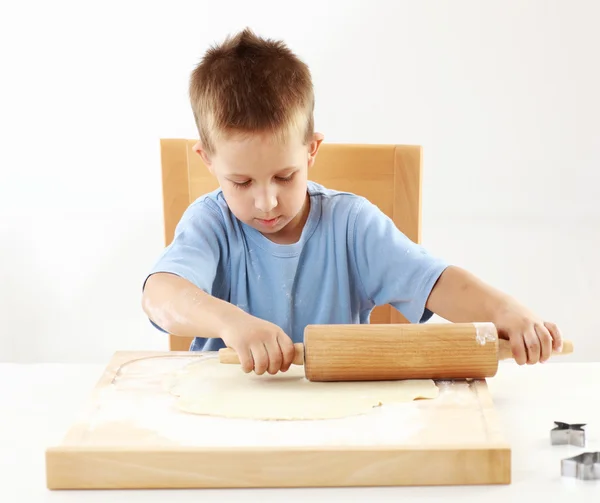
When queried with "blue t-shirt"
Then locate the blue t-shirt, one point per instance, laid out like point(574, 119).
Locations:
point(349, 258)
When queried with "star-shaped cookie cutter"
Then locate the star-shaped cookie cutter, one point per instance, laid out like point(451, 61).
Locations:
point(565, 433)
point(584, 466)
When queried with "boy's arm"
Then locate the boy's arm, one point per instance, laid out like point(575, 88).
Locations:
point(180, 298)
point(394, 270)
point(459, 296)
point(181, 308)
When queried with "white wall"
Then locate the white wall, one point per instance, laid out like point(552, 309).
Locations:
point(502, 95)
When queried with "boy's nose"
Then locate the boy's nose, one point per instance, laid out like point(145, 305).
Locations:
point(265, 202)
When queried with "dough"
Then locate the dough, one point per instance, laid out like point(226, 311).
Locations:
point(212, 388)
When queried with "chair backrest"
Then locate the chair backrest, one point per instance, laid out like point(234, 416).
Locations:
point(388, 175)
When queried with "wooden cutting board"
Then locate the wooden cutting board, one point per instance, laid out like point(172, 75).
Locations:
point(131, 435)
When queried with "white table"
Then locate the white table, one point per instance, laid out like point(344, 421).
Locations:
point(40, 401)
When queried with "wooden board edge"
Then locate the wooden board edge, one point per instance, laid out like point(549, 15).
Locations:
point(492, 420)
point(168, 468)
point(118, 358)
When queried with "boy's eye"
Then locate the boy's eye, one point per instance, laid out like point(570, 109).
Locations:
point(285, 178)
point(241, 184)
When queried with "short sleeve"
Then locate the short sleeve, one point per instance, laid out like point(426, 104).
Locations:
point(393, 269)
point(198, 248)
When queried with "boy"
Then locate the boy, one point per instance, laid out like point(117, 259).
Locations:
point(269, 252)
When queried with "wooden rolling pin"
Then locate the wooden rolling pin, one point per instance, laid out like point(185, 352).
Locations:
point(399, 351)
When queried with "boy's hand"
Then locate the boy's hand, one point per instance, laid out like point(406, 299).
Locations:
point(459, 296)
point(532, 340)
point(260, 345)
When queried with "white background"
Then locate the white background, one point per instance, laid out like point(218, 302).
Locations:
point(503, 96)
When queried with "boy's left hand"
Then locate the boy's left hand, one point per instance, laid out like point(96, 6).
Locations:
point(459, 296)
point(532, 339)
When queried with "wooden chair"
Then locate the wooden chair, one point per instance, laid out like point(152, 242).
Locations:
point(388, 175)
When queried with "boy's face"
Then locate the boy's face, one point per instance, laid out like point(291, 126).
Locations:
point(264, 181)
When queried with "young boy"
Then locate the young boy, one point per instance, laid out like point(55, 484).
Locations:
point(269, 252)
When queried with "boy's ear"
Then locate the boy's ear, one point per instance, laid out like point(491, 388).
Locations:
point(203, 155)
point(313, 148)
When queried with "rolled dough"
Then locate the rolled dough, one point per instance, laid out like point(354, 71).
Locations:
point(212, 388)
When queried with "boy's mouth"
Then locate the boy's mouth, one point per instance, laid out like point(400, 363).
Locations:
point(268, 223)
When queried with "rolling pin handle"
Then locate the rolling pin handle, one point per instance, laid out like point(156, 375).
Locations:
point(228, 355)
point(505, 350)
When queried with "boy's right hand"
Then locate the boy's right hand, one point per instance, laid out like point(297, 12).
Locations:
point(260, 345)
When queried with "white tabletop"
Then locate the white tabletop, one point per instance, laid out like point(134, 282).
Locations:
point(40, 401)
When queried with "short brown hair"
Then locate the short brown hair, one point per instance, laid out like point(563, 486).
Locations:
point(249, 84)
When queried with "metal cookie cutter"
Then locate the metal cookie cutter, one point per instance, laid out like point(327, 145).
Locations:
point(565, 433)
point(585, 466)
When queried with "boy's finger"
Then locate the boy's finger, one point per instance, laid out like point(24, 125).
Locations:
point(545, 342)
point(275, 356)
point(519, 350)
point(245, 356)
point(532, 342)
point(261, 358)
point(288, 352)
point(557, 340)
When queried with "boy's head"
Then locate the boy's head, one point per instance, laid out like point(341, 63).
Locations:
point(253, 102)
